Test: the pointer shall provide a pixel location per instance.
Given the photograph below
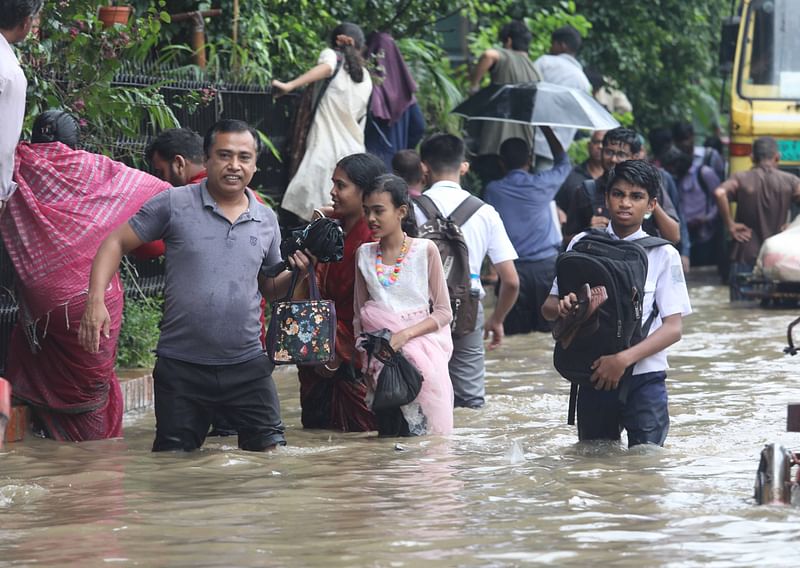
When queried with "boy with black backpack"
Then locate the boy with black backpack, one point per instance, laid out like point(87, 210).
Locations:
point(619, 298)
point(465, 230)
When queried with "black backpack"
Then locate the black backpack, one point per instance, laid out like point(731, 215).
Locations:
point(446, 233)
point(620, 266)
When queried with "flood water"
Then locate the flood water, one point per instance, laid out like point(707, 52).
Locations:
point(510, 487)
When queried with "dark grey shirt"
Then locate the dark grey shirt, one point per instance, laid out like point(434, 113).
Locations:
point(212, 303)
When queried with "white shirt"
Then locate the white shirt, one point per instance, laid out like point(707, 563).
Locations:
point(484, 232)
point(12, 108)
point(563, 70)
point(664, 287)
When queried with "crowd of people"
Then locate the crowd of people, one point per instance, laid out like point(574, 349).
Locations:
point(69, 217)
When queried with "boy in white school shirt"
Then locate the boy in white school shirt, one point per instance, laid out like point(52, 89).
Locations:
point(443, 159)
point(638, 403)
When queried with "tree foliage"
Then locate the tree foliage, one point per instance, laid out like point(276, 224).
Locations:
point(663, 53)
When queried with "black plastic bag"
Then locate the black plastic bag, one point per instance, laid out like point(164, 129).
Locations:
point(399, 382)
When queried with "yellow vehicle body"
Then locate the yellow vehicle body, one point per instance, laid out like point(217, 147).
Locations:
point(765, 85)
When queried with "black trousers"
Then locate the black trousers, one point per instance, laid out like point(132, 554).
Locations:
point(535, 280)
point(189, 397)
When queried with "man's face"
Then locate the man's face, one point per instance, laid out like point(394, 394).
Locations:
point(557, 48)
point(168, 170)
point(627, 205)
point(231, 162)
point(615, 153)
point(595, 145)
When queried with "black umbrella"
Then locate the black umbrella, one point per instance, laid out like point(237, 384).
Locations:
point(540, 104)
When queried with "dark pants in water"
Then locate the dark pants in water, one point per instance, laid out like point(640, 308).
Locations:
point(535, 280)
point(189, 397)
point(639, 405)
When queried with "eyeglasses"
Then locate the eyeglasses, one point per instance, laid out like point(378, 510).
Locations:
point(609, 153)
point(595, 142)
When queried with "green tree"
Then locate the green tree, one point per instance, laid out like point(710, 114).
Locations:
point(662, 53)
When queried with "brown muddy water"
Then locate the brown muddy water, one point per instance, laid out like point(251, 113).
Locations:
point(511, 487)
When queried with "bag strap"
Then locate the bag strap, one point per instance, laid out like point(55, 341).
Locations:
point(428, 206)
point(324, 86)
point(465, 210)
point(651, 242)
point(573, 403)
point(313, 289)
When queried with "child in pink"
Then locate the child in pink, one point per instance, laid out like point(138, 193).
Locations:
point(409, 297)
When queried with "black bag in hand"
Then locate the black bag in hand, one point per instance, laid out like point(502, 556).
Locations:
point(323, 238)
point(399, 382)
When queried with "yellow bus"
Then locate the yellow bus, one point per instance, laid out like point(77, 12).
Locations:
point(761, 46)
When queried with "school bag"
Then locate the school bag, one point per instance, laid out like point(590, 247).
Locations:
point(446, 234)
point(621, 267)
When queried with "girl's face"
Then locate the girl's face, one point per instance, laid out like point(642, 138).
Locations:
point(346, 196)
point(382, 216)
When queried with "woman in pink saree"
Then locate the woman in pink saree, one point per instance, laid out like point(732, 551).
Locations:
point(67, 201)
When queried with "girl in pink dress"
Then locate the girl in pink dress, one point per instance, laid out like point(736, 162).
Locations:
point(409, 297)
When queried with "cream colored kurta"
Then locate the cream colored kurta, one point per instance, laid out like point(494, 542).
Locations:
point(337, 131)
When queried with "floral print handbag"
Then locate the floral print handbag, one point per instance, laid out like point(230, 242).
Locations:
point(302, 332)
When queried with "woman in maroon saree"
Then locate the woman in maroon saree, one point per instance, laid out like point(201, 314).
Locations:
point(67, 201)
point(332, 396)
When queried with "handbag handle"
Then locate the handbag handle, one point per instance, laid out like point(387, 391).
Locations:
point(312, 284)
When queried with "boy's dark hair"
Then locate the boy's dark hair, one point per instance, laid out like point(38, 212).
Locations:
point(353, 62)
point(569, 36)
point(519, 33)
point(682, 131)
point(56, 126)
point(176, 142)
point(408, 165)
point(230, 125)
point(362, 169)
point(764, 148)
point(397, 188)
point(622, 135)
point(515, 153)
point(443, 153)
point(14, 12)
point(636, 172)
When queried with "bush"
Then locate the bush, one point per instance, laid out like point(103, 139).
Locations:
point(139, 334)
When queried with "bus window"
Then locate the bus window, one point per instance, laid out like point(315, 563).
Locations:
point(768, 66)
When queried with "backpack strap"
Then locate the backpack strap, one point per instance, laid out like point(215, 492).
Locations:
point(573, 403)
point(704, 186)
point(465, 210)
point(428, 206)
point(651, 242)
point(324, 85)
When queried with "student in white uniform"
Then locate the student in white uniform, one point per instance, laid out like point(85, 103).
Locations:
point(443, 159)
point(638, 403)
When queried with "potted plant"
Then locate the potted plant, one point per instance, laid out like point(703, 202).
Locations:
point(111, 15)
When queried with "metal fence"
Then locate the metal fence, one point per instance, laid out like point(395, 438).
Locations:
point(253, 104)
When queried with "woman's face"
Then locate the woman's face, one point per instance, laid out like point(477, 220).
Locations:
point(346, 196)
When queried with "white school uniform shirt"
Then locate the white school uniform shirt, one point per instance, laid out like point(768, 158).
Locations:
point(484, 232)
point(664, 285)
point(12, 108)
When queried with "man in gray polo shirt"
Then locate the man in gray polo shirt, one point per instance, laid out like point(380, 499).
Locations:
point(210, 359)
